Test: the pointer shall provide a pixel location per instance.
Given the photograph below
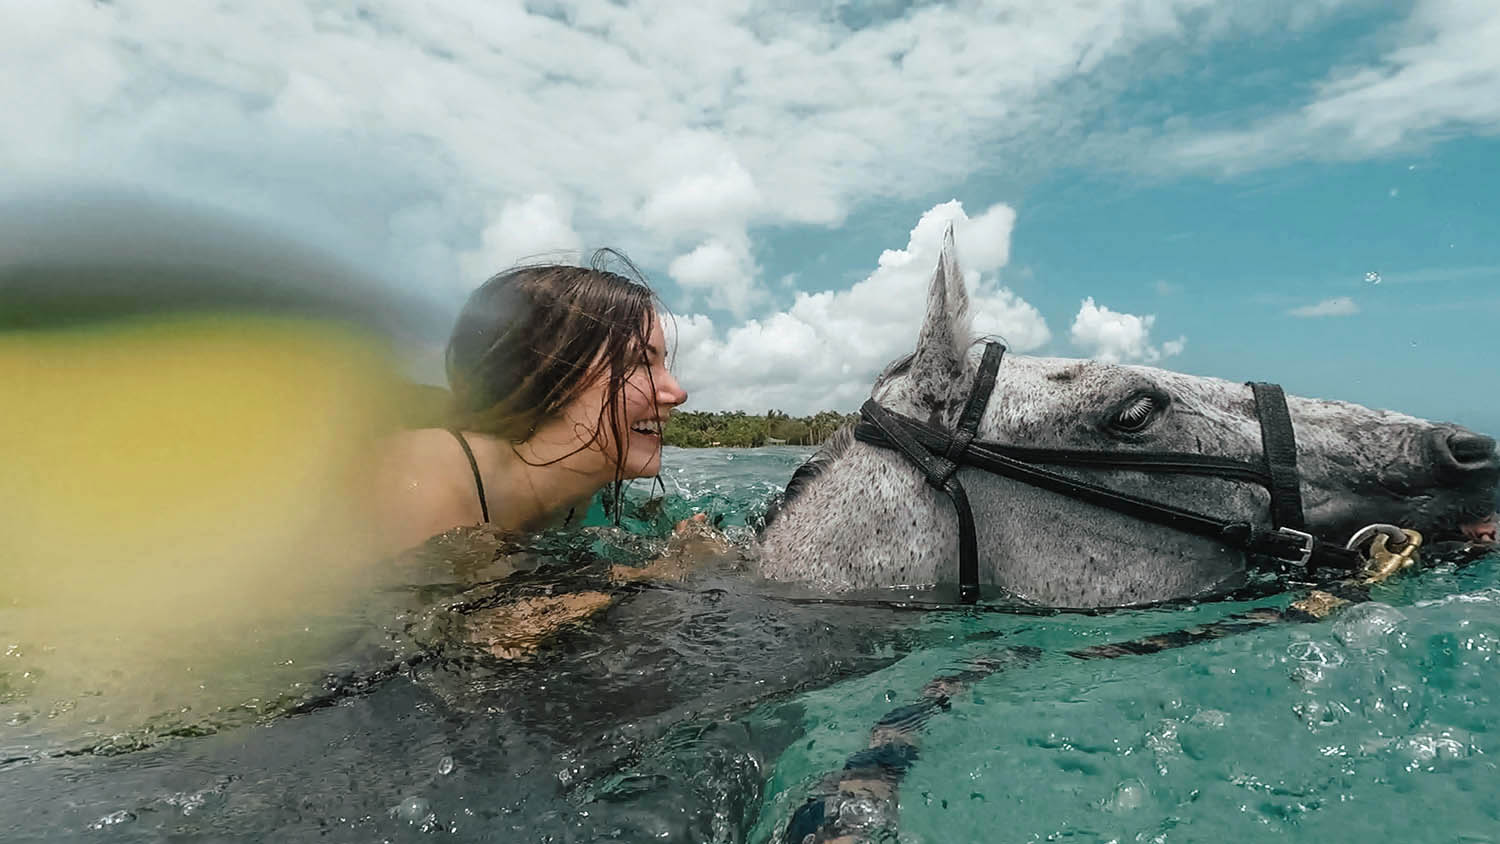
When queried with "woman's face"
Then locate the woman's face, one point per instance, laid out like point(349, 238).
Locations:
point(649, 396)
point(646, 400)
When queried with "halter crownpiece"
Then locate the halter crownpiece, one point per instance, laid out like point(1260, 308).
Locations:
point(939, 454)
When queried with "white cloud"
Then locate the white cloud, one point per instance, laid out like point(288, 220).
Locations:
point(1114, 337)
point(723, 270)
point(1441, 77)
point(534, 228)
point(1341, 306)
point(445, 141)
point(700, 185)
point(825, 350)
point(393, 131)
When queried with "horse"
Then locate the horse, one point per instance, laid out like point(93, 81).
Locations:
point(1085, 484)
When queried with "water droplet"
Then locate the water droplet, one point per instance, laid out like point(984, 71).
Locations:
point(445, 767)
point(1372, 277)
point(412, 809)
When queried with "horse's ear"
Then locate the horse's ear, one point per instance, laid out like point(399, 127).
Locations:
point(938, 365)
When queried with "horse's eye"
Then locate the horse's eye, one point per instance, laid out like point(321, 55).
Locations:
point(1137, 414)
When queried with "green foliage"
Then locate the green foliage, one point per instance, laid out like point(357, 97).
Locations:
point(699, 429)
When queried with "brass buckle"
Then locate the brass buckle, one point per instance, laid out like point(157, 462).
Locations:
point(1381, 561)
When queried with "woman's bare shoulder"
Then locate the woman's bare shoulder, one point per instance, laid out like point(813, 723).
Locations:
point(423, 486)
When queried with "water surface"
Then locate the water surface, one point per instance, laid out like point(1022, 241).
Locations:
point(708, 710)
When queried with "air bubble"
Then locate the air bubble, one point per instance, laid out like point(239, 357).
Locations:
point(1128, 796)
point(1423, 750)
point(113, 819)
point(1212, 718)
point(1366, 625)
point(1372, 277)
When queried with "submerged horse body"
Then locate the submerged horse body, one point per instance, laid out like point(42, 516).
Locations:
point(862, 514)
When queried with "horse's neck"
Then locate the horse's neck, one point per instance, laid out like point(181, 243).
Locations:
point(874, 522)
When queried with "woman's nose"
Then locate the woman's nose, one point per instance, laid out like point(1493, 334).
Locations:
point(669, 392)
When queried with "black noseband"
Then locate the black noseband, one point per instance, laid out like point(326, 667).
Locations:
point(939, 454)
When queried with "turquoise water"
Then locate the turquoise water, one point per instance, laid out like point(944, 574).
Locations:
point(711, 709)
point(1378, 724)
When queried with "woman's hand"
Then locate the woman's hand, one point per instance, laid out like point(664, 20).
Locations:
point(694, 541)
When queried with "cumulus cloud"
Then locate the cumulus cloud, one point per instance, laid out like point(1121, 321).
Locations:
point(1115, 337)
point(1337, 307)
point(825, 350)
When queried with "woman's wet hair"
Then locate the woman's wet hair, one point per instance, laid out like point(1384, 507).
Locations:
point(533, 338)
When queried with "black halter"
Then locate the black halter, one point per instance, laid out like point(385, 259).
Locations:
point(939, 454)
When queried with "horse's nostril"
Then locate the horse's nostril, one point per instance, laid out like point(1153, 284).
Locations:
point(1460, 455)
point(1470, 448)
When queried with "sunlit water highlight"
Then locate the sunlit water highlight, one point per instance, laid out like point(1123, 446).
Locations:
point(709, 711)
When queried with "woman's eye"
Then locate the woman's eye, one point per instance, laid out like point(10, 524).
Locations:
point(1136, 415)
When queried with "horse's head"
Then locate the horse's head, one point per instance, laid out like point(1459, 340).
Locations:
point(858, 515)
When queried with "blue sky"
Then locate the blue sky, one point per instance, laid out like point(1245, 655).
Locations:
point(1194, 184)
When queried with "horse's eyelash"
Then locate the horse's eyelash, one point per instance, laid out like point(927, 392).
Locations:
point(1138, 410)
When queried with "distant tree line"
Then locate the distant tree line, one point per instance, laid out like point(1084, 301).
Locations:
point(425, 406)
point(735, 428)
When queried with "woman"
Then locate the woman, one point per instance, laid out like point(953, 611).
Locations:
point(560, 387)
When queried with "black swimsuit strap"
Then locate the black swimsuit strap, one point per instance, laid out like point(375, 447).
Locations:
point(484, 508)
